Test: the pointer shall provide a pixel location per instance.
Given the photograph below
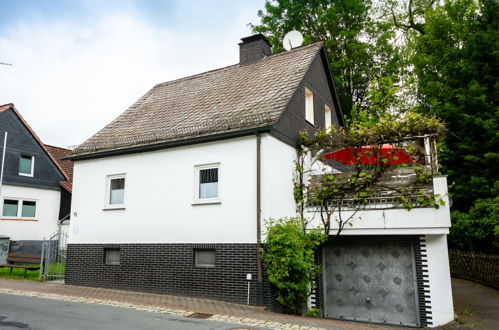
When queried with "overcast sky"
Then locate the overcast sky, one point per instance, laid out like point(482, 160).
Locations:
point(77, 64)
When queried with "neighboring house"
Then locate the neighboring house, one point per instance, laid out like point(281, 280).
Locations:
point(35, 190)
point(170, 197)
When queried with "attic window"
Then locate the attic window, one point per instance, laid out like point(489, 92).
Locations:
point(309, 106)
point(327, 117)
point(26, 165)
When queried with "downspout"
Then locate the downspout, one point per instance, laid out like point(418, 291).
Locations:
point(3, 161)
point(258, 220)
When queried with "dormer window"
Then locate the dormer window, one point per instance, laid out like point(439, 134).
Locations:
point(26, 165)
point(309, 106)
point(327, 117)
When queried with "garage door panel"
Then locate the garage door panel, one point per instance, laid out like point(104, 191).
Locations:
point(370, 280)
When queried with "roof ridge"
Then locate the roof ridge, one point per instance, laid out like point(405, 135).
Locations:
point(6, 106)
point(197, 75)
point(52, 146)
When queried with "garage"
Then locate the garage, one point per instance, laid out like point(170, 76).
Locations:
point(371, 279)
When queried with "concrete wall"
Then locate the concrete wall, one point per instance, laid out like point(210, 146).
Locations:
point(47, 213)
point(439, 279)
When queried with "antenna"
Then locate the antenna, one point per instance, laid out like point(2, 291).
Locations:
point(292, 39)
point(2, 63)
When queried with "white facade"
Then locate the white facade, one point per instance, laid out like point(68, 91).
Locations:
point(159, 197)
point(47, 213)
point(161, 204)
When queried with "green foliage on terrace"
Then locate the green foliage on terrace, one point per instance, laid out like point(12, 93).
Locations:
point(386, 129)
point(331, 192)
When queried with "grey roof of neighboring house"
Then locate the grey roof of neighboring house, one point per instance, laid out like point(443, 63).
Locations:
point(226, 100)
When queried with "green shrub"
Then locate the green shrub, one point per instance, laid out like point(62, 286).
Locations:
point(289, 261)
point(477, 230)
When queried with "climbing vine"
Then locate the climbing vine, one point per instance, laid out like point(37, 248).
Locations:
point(336, 196)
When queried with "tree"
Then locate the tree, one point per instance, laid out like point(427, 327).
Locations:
point(359, 47)
point(477, 230)
point(289, 261)
point(455, 58)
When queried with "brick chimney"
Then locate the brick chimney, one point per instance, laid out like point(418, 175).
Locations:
point(253, 48)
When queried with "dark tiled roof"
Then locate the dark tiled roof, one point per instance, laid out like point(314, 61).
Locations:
point(220, 101)
point(66, 165)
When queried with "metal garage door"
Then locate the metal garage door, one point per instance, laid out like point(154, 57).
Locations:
point(371, 280)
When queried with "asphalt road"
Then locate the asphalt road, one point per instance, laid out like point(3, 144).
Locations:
point(20, 312)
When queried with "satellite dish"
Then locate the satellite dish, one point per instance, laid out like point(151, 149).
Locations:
point(292, 39)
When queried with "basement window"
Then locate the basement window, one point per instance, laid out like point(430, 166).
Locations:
point(112, 256)
point(205, 258)
point(309, 106)
point(26, 165)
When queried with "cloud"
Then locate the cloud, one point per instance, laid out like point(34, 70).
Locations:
point(71, 77)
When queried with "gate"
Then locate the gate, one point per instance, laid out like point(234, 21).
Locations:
point(53, 264)
point(371, 280)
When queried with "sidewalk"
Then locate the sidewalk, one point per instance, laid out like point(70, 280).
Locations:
point(183, 306)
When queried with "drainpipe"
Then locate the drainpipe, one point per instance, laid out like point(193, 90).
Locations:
point(3, 161)
point(258, 221)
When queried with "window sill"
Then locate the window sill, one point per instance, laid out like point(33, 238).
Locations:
point(311, 124)
point(112, 208)
point(17, 219)
point(25, 174)
point(206, 202)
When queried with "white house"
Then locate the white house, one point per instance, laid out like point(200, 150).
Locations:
point(170, 197)
point(35, 185)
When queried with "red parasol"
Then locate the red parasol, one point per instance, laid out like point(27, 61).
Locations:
point(367, 154)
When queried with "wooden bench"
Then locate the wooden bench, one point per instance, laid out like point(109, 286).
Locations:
point(24, 259)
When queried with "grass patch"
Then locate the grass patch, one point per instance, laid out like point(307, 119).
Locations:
point(18, 273)
point(33, 275)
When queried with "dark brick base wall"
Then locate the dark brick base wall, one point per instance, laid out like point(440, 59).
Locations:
point(169, 269)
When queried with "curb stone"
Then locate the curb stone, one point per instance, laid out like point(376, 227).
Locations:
point(156, 309)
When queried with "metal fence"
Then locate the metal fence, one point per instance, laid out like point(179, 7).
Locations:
point(53, 264)
point(475, 266)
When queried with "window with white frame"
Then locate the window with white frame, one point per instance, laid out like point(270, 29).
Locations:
point(207, 183)
point(19, 208)
point(309, 106)
point(327, 117)
point(115, 192)
point(26, 165)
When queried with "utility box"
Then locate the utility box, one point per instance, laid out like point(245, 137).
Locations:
point(4, 249)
